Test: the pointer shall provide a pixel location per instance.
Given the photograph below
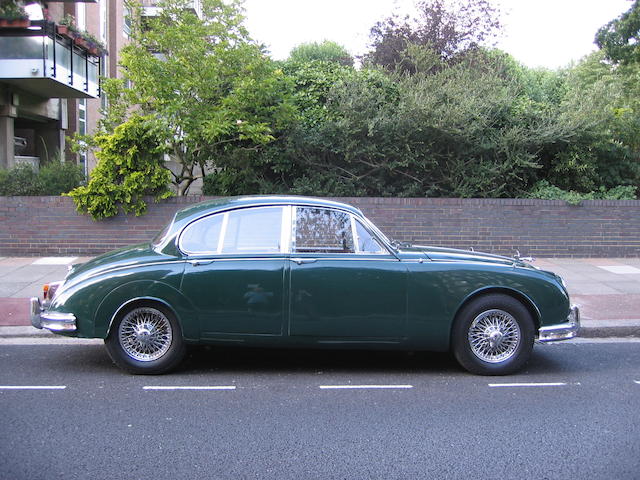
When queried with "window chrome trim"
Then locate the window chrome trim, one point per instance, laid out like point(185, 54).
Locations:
point(354, 234)
point(286, 229)
point(223, 232)
point(387, 257)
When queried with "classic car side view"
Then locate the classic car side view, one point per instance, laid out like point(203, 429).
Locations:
point(303, 273)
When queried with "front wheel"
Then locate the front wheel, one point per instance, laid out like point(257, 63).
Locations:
point(493, 335)
point(146, 339)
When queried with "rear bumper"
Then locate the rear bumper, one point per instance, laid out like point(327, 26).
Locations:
point(562, 331)
point(54, 321)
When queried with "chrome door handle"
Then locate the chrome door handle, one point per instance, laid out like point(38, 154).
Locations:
point(300, 261)
point(197, 263)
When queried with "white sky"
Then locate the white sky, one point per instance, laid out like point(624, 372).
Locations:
point(547, 33)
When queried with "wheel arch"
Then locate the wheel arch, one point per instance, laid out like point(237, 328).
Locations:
point(515, 294)
point(146, 300)
point(159, 293)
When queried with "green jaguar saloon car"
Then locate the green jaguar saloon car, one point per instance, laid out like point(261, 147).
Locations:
point(295, 272)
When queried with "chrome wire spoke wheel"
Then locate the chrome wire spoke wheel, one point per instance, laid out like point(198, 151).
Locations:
point(145, 334)
point(494, 336)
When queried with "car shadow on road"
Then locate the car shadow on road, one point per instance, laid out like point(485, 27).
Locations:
point(206, 360)
point(202, 360)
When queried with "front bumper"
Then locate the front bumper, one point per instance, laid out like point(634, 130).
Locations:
point(54, 321)
point(562, 331)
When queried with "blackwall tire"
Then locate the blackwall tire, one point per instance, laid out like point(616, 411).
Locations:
point(493, 335)
point(146, 339)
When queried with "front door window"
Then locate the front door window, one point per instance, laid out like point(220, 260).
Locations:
point(320, 230)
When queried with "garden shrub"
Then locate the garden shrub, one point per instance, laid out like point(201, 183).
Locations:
point(130, 167)
point(54, 178)
point(546, 191)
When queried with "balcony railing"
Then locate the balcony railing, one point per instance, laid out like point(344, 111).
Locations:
point(40, 61)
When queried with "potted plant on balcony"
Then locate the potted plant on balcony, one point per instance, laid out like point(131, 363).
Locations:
point(67, 26)
point(94, 46)
point(13, 15)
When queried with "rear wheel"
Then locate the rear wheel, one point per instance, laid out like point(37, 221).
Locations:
point(146, 339)
point(493, 335)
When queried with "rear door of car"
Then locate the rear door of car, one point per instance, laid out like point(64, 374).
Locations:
point(235, 271)
point(345, 286)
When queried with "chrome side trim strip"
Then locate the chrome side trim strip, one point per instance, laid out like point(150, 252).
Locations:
point(124, 267)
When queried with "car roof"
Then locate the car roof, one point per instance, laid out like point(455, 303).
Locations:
point(226, 203)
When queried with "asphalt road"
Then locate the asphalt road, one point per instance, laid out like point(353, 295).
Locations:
point(573, 413)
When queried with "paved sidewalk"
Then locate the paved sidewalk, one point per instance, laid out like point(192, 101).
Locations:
point(606, 289)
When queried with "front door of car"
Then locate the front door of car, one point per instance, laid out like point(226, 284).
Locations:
point(235, 271)
point(344, 284)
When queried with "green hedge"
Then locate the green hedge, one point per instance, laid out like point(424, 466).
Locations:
point(53, 178)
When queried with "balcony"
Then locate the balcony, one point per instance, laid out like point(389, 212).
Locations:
point(40, 61)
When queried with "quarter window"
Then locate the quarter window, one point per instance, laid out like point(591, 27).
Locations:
point(320, 230)
point(366, 242)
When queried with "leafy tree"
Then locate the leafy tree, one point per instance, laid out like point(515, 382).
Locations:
point(130, 166)
point(326, 51)
point(204, 80)
point(620, 38)
point(274, 167)
point(449, 29)
point(452, 132)
point(598, 112)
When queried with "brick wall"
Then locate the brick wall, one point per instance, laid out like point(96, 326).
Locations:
point(36, 226)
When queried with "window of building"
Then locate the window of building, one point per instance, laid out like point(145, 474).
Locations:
point(103, 21)
point(81, 16)
point(82, 130)
point(126, 25)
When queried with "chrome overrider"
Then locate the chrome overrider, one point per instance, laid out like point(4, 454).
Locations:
point(562, 331)
point(54, 321)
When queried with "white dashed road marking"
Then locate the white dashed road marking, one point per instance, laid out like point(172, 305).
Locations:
point(32, 387)
point(547, 384)
point(346, 387)
point(194, 387)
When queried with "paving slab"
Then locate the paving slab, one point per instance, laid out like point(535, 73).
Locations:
point(14, 312)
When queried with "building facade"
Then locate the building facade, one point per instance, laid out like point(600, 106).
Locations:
point(52, 57)
point(49, 77)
